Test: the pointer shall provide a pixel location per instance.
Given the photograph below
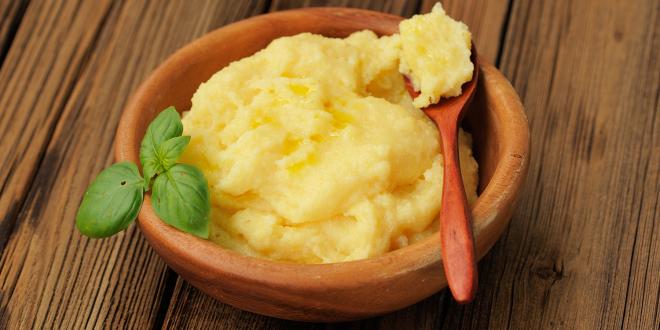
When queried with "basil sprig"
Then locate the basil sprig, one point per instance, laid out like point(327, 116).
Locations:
point(180, 194)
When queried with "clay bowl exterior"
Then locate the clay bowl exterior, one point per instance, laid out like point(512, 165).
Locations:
point(326, 292)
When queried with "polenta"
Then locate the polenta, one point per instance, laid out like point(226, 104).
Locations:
point(314, 152)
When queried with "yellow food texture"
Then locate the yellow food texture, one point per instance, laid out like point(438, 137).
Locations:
point(314, 152)
point(435, 55)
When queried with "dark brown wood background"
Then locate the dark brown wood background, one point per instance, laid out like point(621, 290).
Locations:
point(582, 250)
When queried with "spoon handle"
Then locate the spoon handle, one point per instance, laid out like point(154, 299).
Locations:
point(457, 242)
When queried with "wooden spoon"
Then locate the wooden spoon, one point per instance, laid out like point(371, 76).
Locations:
point(457, 243)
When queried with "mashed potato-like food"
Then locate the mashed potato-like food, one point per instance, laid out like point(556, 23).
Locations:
point(315, 153)
point(435, 55)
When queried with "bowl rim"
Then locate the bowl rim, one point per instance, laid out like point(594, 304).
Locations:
point(190, 251)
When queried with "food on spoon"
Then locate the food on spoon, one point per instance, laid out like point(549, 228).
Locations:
point(435, 55)
point(315, 153)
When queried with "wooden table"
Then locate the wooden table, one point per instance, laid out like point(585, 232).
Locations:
point(582, 250)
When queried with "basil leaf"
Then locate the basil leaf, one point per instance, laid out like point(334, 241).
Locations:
point(180, 198)
point(112, 201)
point(167, 125)
point(169, 151)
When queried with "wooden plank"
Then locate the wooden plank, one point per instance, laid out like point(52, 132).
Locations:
point(36, 78)
point(81, 60)
point(192, 309)
point(582, 251)
point(11, 14)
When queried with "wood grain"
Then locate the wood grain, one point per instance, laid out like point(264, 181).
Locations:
point(11, 14)
point(583, 250)
point(37, 78)
point(50, 276)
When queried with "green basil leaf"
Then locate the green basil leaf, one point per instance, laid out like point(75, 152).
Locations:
point(167, 125)
point(112, 201)
point(169, 151)
point(180, 197)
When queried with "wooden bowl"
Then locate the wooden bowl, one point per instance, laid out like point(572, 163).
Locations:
point(325, 292)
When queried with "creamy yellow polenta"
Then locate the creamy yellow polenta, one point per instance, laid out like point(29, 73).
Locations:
point(315, 153)
point(435, 55)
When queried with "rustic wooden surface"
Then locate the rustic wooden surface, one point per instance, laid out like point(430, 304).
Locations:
point(582, 251)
